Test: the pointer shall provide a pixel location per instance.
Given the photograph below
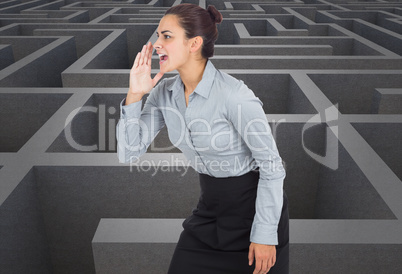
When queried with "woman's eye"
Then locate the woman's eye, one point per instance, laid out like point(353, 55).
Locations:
point(167, 36)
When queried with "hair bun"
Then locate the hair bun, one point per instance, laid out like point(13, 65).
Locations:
point(215, 14)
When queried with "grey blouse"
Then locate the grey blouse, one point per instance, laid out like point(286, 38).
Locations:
point(222, 132)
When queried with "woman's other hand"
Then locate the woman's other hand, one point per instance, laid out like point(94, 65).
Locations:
point(140, 75)
point(265, 257)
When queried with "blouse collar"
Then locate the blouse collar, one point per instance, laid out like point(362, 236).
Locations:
point(204, 86)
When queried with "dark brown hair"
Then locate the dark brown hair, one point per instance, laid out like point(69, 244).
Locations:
point(197, 21)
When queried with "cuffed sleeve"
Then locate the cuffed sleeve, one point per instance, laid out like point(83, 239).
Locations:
point(137, 128)
point(131, 110)
point(248, 117)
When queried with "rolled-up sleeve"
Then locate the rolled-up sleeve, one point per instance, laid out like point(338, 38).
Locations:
point(136, 129)
point(248, 117)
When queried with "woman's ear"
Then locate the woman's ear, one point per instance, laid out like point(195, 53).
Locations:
point(196, 44)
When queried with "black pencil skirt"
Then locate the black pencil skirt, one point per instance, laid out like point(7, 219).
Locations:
point(216, 237)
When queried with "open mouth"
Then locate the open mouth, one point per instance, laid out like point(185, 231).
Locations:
point(162, 58)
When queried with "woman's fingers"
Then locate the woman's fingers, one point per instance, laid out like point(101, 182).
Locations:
point(148, 54)
point(147, 57)
point(157, 77)
point(258, 266)
point(250, 255)
point(136, 61)
point(265, 266)
point(142, 55)
point(150, 47)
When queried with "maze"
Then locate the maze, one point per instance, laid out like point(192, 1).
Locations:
point(328, 72)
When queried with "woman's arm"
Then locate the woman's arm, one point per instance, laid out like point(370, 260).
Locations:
point(248, 117)
point(136, 130)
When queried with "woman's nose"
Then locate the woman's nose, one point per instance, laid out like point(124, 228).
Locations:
point(157, 45)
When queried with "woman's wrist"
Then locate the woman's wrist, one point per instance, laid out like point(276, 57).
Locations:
point(133, 97)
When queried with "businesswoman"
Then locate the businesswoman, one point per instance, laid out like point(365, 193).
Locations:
point(241, 223)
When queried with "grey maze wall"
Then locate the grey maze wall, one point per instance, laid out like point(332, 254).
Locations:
point(328, 72)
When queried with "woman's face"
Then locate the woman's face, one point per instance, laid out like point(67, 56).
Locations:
point(172, 44)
